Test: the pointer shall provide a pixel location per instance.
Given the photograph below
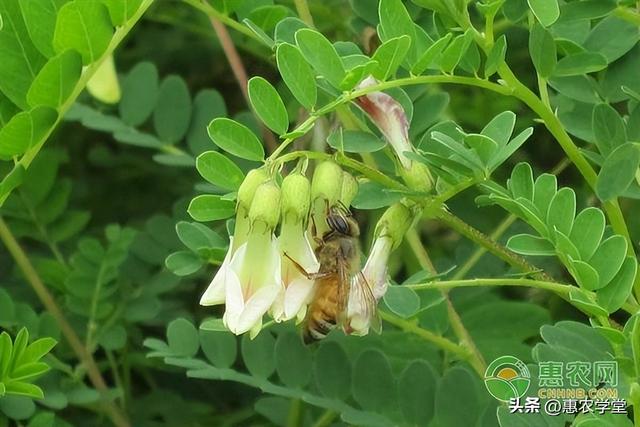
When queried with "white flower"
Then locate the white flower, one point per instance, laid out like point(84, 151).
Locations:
point(297, 288)
point(390, 117)
point(375, 269)
point(249, 279)
point(371, 282)
point(248, 282)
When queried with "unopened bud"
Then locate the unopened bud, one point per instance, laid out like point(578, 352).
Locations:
point(390, 117)
point(247, 189)
point(265, 206)
point(349, 189)
point(296, 193)
point(327, 182)
point(417, 177)
point(394, 223)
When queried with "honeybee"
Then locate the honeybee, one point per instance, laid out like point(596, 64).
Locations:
point(339, 280)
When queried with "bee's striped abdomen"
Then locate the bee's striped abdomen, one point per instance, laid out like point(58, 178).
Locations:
point(321, 318)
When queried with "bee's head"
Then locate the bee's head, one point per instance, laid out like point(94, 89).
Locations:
point(340, 221)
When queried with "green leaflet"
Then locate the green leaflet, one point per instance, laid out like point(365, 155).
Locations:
point(72, 20)
point(542, 49)
point(618, 171)
point(56, 80)
point(20, 364)
point(268, 105)
point(219, 170)
point(321, 54)
point(21, 60)
point(210, 208)
point(236, 139)
point(173, 110)
point(390, 55)
point(35, 123)
point(546, 11)
point(297, 74)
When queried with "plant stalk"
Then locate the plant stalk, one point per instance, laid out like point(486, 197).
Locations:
point(475, 357)
point(303, 11)
point(22, 261)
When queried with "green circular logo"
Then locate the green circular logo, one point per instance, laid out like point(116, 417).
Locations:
point(507, 377)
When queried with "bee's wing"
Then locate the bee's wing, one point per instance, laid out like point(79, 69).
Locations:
point(343, 293)
point(362, 292)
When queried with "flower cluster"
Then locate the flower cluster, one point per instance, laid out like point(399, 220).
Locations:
point(258, 275)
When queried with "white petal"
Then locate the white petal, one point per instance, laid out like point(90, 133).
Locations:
point(375, 269)
point(214, 294)
point(295, 243)
point(256, 307)
point(277, 308)
point(256, 329)
point(359, 325)
point(234, 302)
point(305, 256)
point(296, 296)
point(275, 262)
point(255, 268)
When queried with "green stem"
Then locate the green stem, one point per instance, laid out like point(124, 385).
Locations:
point(558, 288)
point(115, 373)
point(475, 358)
point(303, 12)
point(488, 29)
point(407, 81)
point(500, 230)
point(561, 289)
point(630, 15)
point(212, 12)
point(326, 419)
point(348, 162)
point(413, 239)
point(489, 244)
point(454, 190)
point(438, 340)
point(544, 92)
point(295, 413)
point(24, 264)
point(92, 325)
point(481, 250)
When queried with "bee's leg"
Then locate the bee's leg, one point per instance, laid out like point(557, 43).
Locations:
point(314, 232)
point(310, 276)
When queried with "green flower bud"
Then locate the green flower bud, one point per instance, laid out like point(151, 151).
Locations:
point(418, 177)
point(349, 188)
point(394, 223)
point(249, 186)
point(265, 206)
point(296, 194)
point(327, 182)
